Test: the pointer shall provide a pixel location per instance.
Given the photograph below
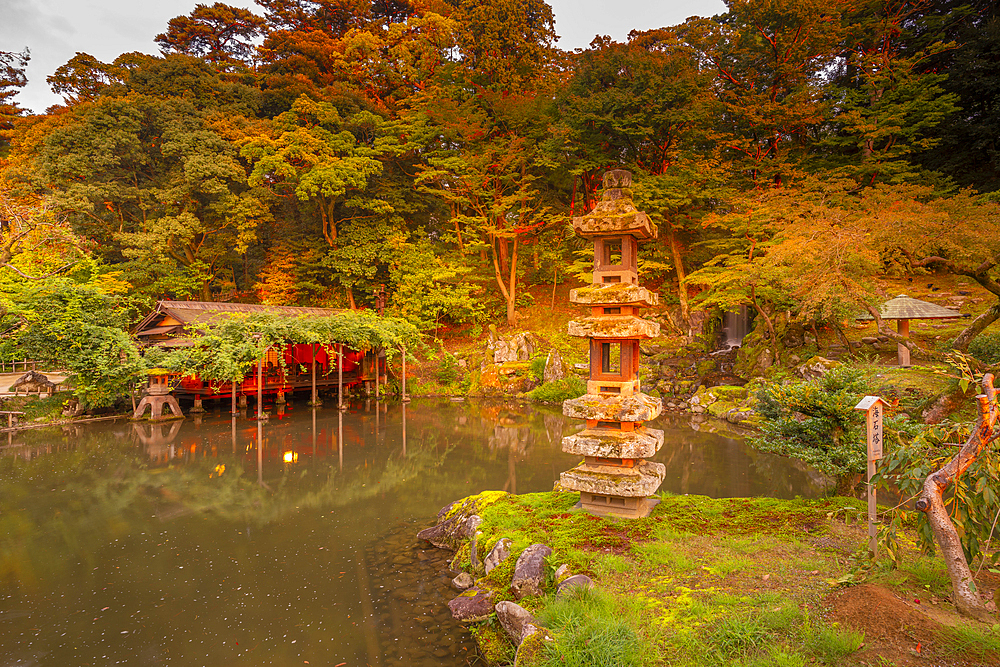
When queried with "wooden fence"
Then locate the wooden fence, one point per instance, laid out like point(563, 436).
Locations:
point(22, 366)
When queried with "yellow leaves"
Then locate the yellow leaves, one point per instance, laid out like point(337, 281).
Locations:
point(219, 469)
point(111, 283)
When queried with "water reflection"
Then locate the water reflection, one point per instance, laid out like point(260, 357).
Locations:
point(231, 540)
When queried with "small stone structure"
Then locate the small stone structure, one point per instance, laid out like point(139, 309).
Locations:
point(614, 478)
point(33, 382)
point(157, 397)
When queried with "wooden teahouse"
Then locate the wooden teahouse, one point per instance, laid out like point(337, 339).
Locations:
point(170, 324)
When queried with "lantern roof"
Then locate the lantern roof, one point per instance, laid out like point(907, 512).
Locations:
point(615, 214)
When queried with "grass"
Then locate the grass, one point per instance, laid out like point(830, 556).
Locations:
point(833, 643)
point(593, 628)
point(971, 642)
point(738, 635)
point(702, 581)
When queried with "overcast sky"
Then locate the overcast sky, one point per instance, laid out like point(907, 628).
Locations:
point(55, 30)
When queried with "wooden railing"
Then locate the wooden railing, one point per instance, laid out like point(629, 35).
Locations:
point(22, 366)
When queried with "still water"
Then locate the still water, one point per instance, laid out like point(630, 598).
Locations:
point(210, 541)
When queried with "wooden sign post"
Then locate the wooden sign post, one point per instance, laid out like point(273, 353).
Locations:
point(873, 407)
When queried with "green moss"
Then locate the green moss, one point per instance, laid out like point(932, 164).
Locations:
point(533, 650)
point(492, 642)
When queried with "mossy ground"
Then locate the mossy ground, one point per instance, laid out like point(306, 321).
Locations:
point(743, 581)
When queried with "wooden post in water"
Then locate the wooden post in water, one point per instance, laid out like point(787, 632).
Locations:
point(403, 390)
point(260, 387)
point(404, 428)
point(340, 376)
point(234, 397)
point(376, 373)
point(315, 397)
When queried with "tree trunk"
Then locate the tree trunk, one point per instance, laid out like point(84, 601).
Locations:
point(511, 293)
point(350, 299)
point(931, 502)
point(976, 327)
point(675, 251)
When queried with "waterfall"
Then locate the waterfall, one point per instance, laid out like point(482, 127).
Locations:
point(735, 326)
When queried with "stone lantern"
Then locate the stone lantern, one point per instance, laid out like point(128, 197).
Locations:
point(614, 477)
point(158, 396)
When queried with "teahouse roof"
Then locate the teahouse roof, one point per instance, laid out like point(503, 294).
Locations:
point(908, 308)
point(157, 327)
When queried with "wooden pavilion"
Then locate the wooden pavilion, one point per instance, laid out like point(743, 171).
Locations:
point(306, 366)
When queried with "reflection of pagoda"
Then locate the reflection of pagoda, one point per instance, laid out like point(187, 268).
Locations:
point(614, 477)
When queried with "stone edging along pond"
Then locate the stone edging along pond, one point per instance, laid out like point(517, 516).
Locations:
point(493, 579)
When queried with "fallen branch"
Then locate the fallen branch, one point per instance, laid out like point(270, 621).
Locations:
point(966, 597)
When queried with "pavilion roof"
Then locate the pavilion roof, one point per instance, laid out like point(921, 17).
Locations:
point(907, 308)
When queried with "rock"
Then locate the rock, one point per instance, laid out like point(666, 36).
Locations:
point(451, 532)
point(869, 340)
point(561, 572)
point(794, 337)
point(472, 606)
point(555, 369)
point(576, 581)
point(499, 552)
point(519, 347)
point(816, 367)
point(517, 622)
point(33, 382)
point(463, 581)
point(529, 572)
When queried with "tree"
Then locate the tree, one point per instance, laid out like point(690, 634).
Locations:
point(221, 34)
point(80, 326)
point(154, 186)
point(966, 598)
point(12, 78)
point(646, 105)
point(84, 78)
point(886, 103)
point(490, 185)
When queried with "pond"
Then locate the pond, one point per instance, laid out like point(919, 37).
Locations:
point(185, 543)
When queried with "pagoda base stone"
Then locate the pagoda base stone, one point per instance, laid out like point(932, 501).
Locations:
point(610, 444)
point(638, 481)
point(626, 508)
point(635, 408)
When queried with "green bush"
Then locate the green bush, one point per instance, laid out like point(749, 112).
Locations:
point(538, 367)
point(448, 370)
point(986, 348)
point(558, 391)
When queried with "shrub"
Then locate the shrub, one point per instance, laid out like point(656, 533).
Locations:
point(558, 390)
point(986, 348)
point(816, 422)
point(448, 370)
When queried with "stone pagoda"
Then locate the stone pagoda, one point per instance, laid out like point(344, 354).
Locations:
point(614, 477)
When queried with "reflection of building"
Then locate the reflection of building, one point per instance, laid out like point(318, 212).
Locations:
point(173, 321)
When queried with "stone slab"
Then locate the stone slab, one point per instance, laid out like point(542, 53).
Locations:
point(642, 480)
point(609, 444)
point(614, 326)
point(635, 408)
point(615, 217)
point(620, 294)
